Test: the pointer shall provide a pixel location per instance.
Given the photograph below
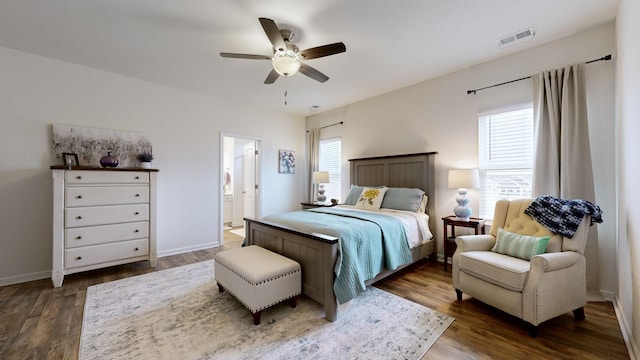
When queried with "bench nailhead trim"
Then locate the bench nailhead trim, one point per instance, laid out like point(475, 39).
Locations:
point(265, 306)
point(265, 281)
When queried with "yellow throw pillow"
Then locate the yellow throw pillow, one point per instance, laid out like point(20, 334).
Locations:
point(371, 198)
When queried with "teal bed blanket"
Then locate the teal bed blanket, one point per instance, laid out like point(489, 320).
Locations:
point(368, 243)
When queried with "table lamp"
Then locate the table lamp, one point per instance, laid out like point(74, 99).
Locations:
point(463, 179)
point(320, 178)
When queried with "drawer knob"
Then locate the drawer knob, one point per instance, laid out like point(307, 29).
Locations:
point(136, 231)
point(136, 213)
point(79, 177)
point(137, 177)
point(78, 217)
point(79, 197)
point(137, 249)
point(137, 195)
point(79, 258)
point(78, 237)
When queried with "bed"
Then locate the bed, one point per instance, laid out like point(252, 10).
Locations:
point(318, 252)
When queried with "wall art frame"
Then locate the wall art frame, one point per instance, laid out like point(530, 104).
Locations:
point(286, 162)
point(91, 144)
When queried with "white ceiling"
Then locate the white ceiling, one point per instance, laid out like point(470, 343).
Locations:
point(390, 44)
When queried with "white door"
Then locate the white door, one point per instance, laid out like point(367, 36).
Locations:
point(249, 192)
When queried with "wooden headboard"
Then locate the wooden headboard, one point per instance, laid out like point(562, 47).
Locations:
point(409, 170)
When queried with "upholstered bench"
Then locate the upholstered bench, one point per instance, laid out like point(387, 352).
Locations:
point(258, 278)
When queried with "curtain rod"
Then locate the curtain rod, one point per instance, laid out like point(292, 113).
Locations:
point(604, 58)
point(326, 126)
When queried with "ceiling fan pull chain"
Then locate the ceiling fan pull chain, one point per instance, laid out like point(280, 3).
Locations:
point(286, 83)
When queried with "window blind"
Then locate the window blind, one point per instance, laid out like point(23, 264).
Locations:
point(506, 157)
point(330, 160)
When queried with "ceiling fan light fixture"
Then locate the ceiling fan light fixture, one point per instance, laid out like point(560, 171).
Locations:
point(285, 64)
point(287, 58)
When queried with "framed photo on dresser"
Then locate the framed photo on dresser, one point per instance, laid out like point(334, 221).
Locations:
point(70, 160)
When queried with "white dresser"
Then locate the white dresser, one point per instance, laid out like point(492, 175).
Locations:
point(102, 217)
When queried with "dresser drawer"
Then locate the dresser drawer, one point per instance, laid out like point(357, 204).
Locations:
point(103, 215)
point(105, 195)
point(94, 235)
point(97, 254)
point(104, 177)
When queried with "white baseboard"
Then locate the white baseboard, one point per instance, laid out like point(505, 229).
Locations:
point(188, 249)
point(11, 280)
point(608, 295)
point(627, 333)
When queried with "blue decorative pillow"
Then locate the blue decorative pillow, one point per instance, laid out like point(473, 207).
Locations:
point(408, 199)
point(354, 195)
point(520, 246)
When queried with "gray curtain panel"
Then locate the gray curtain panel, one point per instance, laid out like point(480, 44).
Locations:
point(562, 162)
point(313, 149)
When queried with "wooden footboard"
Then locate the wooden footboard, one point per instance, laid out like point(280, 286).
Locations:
point(316, 254)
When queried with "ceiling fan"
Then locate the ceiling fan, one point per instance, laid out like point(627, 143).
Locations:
point(287, 58)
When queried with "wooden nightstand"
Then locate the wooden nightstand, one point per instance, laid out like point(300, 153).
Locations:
point(449, 239)
point(307, 205)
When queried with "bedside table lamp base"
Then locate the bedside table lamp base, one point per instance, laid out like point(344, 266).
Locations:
point(462, 211)
point(321, 196)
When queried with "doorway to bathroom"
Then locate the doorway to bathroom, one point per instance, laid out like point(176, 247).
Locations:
point(240, 169)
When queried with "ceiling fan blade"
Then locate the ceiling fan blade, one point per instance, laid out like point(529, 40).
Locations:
point(324, 50)
point(272, 77)
point(273, 33)
point(245, 56)
point(313, 73)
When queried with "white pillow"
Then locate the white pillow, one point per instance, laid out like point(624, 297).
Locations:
point(371, 198)
point(423, 204)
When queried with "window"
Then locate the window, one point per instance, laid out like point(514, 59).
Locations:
point(506, 157)
point(330, 160)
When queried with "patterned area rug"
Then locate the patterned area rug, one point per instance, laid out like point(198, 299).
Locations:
point(179, 314)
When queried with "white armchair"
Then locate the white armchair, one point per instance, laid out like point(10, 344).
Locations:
point(534, 290)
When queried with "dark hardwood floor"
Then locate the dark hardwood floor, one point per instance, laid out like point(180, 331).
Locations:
point(40, 322)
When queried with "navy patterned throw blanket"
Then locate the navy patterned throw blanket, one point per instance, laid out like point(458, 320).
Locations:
point(562, 216)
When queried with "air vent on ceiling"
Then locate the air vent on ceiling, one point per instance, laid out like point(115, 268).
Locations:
point(517, 37)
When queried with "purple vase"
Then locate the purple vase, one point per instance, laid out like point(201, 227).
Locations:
point(108, 161)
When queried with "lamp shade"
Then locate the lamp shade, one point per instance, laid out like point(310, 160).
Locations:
point(285, 65)
point(320, 177)
point(464, 178)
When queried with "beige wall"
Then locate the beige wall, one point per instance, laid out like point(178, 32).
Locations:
point(628, 172)
point(184, 127)
point(438, 115)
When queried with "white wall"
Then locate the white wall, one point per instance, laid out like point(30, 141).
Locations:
point(184, 127)
point(628, 172)
point(438, 115)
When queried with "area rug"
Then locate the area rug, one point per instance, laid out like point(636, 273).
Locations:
point(179, 314)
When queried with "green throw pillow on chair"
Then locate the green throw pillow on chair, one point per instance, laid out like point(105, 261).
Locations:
point(520, 246)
